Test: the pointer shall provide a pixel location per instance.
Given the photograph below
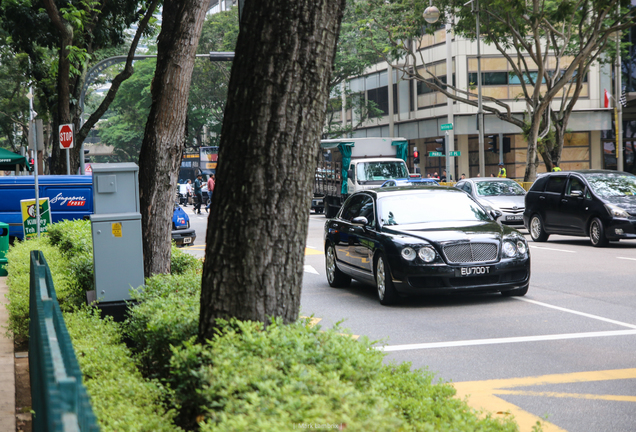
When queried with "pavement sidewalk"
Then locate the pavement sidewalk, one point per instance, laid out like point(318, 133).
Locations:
point(7, 366)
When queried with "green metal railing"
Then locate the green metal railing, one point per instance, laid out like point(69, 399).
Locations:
point(60, 402)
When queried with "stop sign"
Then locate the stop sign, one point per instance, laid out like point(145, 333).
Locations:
point(66, 136)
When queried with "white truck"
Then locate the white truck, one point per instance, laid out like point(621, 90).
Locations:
point(347, 165)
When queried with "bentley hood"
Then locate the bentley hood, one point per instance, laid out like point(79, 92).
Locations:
point(440, 232)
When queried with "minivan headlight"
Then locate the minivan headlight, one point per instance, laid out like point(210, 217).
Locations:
point(616, 211)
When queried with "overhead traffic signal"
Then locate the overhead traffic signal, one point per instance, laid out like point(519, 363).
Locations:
point(492, 143)
point(442, 143)
point(506, 145)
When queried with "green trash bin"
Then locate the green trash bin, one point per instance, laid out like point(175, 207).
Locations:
point(4, 248)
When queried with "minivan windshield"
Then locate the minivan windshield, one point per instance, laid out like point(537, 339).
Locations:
point(612, 185)
point(380, 171)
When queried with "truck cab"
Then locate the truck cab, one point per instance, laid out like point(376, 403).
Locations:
point(347, 165)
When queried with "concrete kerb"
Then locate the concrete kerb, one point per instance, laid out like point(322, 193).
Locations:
point(7, 366)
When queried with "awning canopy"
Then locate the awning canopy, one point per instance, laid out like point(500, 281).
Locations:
point(8, 160)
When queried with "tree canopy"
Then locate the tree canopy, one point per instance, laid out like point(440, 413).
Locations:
point(549, 46)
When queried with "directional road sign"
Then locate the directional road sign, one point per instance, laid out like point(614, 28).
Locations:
point(455, 153)
point(435, 154)
point(447, 126)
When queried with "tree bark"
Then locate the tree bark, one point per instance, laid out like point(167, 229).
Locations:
point(163, 142)
point(276, 106)
point(58, 156)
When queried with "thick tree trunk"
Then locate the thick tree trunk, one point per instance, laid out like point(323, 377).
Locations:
point(271, 132)
point(58, 156)
point(161, 149)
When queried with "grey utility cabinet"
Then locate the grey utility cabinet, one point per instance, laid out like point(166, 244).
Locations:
point(116, 230)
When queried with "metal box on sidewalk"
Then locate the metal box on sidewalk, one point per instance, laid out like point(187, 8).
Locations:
point(116, 230)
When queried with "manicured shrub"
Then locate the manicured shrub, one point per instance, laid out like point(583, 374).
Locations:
point(182, 262)
point(283, 377)
point(121, 398)
point(18, 281)
point(73, 237)
point(167, 314)
point(431, 407)
point(252, 377)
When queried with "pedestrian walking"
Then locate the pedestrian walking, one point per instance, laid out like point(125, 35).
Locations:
point(198, 194)
point(211, 183)
point(188, 193)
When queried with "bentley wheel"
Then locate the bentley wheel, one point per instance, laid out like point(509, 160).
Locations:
point(537, 231)
point(335, 277)
point(386, 290)
point(597, 233)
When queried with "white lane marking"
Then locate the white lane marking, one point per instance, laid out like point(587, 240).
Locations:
point(552, 249)
point(475, 342)
point(633, 259)
point(310, 269)
point(596, 317)
point(311, 247)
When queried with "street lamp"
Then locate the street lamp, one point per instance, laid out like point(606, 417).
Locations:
point(431, 15)
point(480, 112)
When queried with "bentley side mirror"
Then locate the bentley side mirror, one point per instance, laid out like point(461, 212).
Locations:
point(360, 220)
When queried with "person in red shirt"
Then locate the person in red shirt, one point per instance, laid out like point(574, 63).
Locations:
point(211, 183)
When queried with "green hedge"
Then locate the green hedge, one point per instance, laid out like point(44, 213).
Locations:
point(121, 398)
point(280, 377)
point(19, 278)
point(74, 239)
point(182, 262)
point(167, 314)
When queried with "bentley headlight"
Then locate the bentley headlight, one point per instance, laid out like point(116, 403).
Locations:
point(509, 249)
point(521, 247)
point(616, 211)
point(426, 254)
point(408, 253)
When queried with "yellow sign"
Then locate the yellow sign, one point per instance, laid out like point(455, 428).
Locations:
point(116, 228)
point(29, 217)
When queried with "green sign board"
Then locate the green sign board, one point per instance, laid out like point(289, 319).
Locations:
point(29, 221)
point(455, 153)
point(435, 154)
point(447, 126)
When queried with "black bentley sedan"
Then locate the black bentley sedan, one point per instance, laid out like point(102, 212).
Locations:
point(427, 240)
point(600, 204)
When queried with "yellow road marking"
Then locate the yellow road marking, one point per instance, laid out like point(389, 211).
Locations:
point(482, 394)
point(616, 398)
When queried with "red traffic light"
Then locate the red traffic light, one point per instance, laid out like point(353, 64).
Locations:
point(416, 153)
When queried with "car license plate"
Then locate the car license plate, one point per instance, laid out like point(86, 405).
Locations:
point(472, 271)
point(187, 240)
point(517, 217)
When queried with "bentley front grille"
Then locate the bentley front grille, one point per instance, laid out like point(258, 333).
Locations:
point(470, 252)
